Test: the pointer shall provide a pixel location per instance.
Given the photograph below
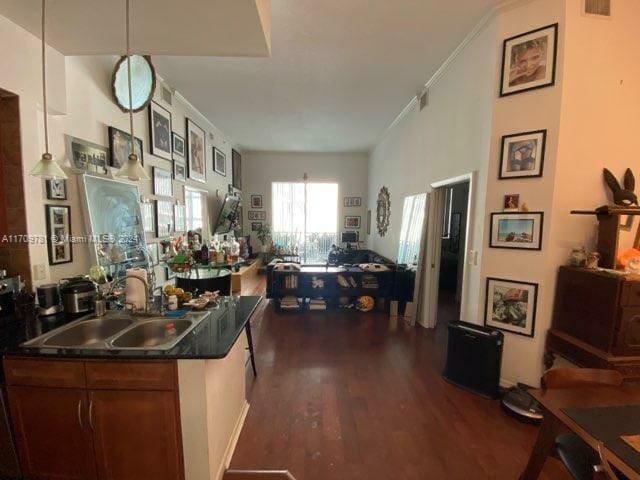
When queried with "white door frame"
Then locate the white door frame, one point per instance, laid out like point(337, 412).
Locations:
point(429, 308)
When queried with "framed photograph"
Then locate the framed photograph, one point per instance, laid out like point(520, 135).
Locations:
point(179, 171)
point(516, 230)
point(236, 169)
point(255, 226)
point(352, 222)
point(511, 202)
point(179, 217)
point(160, 131)
point(256, 201)
point(529, 61)
point(522, 154)
point(352, 201)
point(86, 156)
point(59, 234)
point(178, 146)
point(196, 152)
point(56, 189)
point(120, 147)
point(162, 182)
point(164, 218)
point(148, 217)
point(511, 306)
point(219, 162)
point(259, 216)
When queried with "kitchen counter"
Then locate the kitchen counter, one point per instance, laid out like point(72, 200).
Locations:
point(212, 338)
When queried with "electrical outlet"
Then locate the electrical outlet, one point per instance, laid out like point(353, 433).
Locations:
point(39, 272)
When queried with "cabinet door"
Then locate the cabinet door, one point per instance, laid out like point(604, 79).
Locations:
point(51, 432)
point(136, 434)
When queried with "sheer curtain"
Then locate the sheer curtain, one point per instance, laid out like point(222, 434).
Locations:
point(411, 230)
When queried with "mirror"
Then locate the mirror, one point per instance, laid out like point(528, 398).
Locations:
point(411, 230)
point(143, 82)
point(227, 215)
point(383, 211)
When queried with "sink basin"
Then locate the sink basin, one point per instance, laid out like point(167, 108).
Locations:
point(151, 334)
point(87, 333)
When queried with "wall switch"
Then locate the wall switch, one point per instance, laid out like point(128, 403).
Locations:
point(473, 258)
point(39, 272)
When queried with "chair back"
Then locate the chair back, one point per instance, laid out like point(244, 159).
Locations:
point(581, 377)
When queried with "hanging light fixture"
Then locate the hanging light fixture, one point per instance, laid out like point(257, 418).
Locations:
point(131, 170)
point(46, 167)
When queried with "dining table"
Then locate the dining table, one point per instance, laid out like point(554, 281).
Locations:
point(599, 414)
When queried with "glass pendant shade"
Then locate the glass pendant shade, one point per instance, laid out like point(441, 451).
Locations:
point(48, 168)
point(132, 170)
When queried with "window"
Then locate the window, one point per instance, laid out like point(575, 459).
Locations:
point(194, 201)
point(411, 230)
point(305, 216)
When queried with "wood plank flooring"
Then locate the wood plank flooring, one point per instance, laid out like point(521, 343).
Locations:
point(360, 396)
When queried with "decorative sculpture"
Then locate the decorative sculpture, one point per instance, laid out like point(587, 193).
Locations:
point(624, 197)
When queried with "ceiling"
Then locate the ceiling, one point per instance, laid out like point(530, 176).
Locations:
point(236, 28)
point(340, 71)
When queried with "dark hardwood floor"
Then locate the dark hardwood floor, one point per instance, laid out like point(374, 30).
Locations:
point(360, 396)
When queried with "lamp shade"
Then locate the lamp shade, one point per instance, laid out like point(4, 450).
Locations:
point(132, 170)
point(48, 168)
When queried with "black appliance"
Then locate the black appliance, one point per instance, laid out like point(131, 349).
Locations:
point(48, 299)
point(78, 295)
point(474, 356)
point(9, 288)
point(517, 402)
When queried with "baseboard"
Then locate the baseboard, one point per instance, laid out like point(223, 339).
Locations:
point(231, 447)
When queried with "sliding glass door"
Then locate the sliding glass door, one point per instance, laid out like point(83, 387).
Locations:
point(305, 215)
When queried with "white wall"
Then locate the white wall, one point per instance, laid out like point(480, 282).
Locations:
point(348, 170)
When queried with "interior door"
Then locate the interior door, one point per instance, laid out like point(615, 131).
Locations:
point(51, 433)
point(136, 435)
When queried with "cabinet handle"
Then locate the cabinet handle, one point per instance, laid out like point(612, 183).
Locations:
point(80, 414)
point(91, 414)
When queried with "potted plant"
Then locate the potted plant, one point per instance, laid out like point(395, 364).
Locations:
point(264, 235)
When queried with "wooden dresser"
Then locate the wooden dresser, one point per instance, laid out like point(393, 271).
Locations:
point(596, 321)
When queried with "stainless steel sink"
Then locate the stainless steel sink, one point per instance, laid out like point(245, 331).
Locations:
point(88, 333)
point(152, 334)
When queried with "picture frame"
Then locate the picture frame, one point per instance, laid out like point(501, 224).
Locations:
point(59, 244)
point(179, 218)
point(56, 189)
point(164, 218)
point(160, 131)
point(352, 222)
point(255, 226)
point(120, 147)
point(522, 155)
point(352, 201)
point(511, 202)
point(236, 169)
point(148, 210)
point(257, 216)
point(162, 182)
point(219, 162)
point(178, 146)
point(516, 230)
point(196, 157)
point(87, 157)
point(256, 201)
point(529, 60)
point(511, 306)
point(179, 171)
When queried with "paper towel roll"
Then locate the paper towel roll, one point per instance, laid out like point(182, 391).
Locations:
point(136, 290)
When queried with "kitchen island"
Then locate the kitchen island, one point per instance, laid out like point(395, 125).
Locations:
point(99, 411)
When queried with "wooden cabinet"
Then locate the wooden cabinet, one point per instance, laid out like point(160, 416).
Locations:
point(96, 420)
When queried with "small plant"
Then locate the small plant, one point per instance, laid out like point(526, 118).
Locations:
point(264, 233)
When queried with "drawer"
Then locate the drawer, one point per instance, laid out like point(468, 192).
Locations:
point(44, 373)
point(114, 375)
point(630, 294)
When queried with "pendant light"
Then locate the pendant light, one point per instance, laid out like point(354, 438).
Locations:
point(46, 167)
point(131, 170)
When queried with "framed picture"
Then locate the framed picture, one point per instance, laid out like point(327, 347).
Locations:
point(160, 131)
point(256, 201)
point(179, 171)
point(162, 182)
point(59, 234)
point(352, 222)
point(86, 156)
point(511, 306)
point(522, 154)
point(164, 218)
point(255, 226)
point(219, 162)
point(148, 217)
point(516, 230)
point(178, 146)
point(179, 215)
point(352, 201)
point(56, 189)
point(120, 147)
point(511, 202)
point(236, 169)
point(259, 216)
point(195, 152)
point(529, 61)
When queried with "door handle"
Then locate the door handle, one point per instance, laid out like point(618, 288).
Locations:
point(91, 414)
point(80, 414)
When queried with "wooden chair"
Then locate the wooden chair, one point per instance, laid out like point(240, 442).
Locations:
point(582, 462)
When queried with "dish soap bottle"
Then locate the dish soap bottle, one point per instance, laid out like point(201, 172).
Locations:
point(170, 331)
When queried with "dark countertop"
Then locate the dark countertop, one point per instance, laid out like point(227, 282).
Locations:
point(212, 338)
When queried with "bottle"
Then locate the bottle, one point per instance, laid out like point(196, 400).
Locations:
point(226, 248)
point(234, 249)
point(204, 254)
point(170, 330)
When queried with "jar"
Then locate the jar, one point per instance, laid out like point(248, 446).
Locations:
point(578, 257)
point(173, 302)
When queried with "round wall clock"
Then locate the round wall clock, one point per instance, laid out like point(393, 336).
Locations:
point(383, 211)
point(143, 82)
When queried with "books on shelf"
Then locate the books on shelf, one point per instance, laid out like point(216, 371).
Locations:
point(291, 282)
point(289, 303)
point(347, 282)
point(317, 304)
point(370, 281)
